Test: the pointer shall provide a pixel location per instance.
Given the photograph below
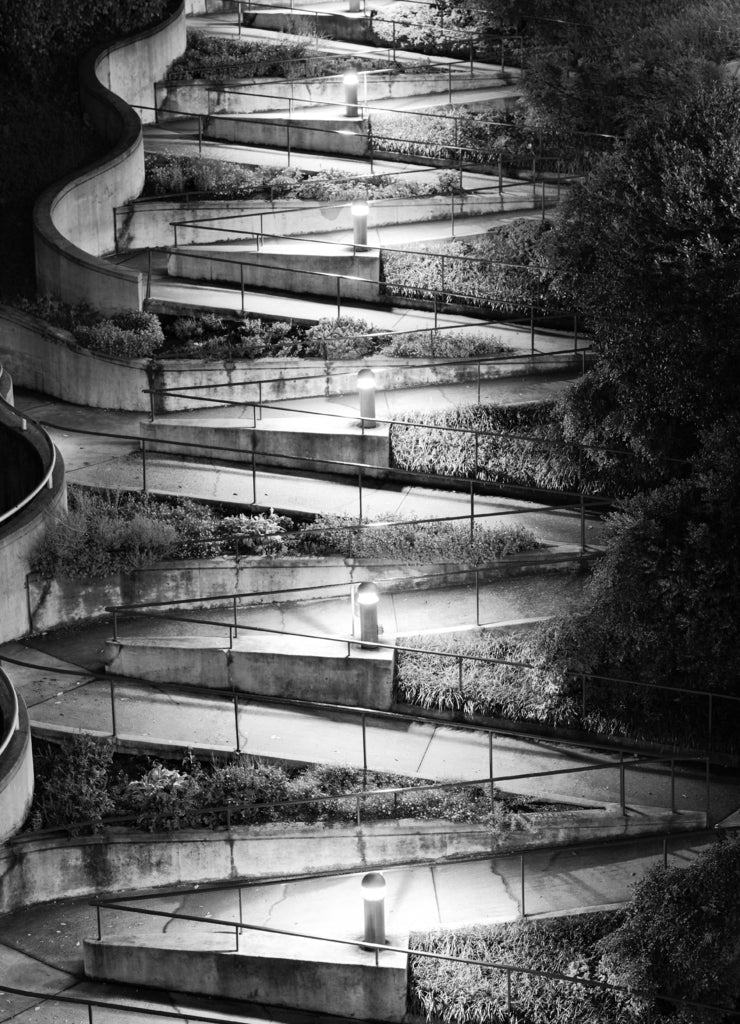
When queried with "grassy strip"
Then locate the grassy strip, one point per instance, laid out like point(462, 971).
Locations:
point(549, 696)
point(449, 993)
point(82, 779)
point(498, 458)
point(107, 532)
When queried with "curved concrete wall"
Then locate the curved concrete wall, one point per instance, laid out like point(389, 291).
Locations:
point(73, 221)
point(16, 762)
point(21, 532)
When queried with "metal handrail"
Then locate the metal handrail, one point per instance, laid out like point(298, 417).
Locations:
point(139, 610)
point(48, 477)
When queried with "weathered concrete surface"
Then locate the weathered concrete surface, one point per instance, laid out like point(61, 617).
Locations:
point(265, 664)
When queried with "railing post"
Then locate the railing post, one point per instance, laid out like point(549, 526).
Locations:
point(236, 722)
point(622, 803)
point(490, 775)
point(287, 141)
point(521, 870)
point(254, 479)
point(143, 465)
point(100, 933)
point(673, 786)
point(478, 399)
point(241, 283)
point(508, 989)
point(583, 699)
point(583, 525)
point(90, 1018)
point(708, 790)
point(151, 405)
point(200, 135)
point(575, 332)
point(477, 598)
point(472, 510)
point(364, 753)
point(358, 810)
point(149, 274)
point(339, 298)
point(531, 327)
point(460, 675)
point(236, 621)
point(114, 723)
point(359, 487)
point(115, 625)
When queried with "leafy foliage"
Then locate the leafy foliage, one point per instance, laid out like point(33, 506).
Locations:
point(451, 993)
point(71, 782)
point(679, 935)
point(414, 542)
point(196, 795)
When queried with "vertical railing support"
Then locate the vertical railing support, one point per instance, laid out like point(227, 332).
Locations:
point(521, 875)
point(143, 466)
point(114, 723)
point(364, 753)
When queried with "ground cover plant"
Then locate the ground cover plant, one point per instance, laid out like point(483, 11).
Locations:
point(214, 57)
point(82, 781)
point(107, 532)
point(415, 542)
point(675, 939)
point(502, 270)
point(170, 173)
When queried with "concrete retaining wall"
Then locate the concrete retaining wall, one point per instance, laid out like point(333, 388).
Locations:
point(252, 95)
point(355, 275)
point(16, 763)
point(148, 223)
point(352, 28)
point(284, 134)
point(281, 444)
point(73, 220)
point(273, 970)
point(270, 665)
point(53, 603)
point(33, 869)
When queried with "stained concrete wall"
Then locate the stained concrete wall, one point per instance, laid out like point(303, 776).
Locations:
point(272, 970)
point(251, 95)
point(284, 134)
point(269, 665)
point(73, 220)
point(326, 446)
point(149, 223)
point(31, 867)
point(355, 276)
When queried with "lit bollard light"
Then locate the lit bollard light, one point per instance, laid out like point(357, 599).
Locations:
point(373, 895)
point(366, 388)
point(359, 224)
point(367, 599)
point(351, 82)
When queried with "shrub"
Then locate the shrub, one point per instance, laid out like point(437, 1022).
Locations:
point(452, 993)
point(129, 335)
point(344, 338)
point(413, 542)
point(72, 782)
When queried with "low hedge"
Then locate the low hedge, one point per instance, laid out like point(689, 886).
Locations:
point(550, 695)
point(449, 993)
point(81, 782)
point(414, 542)
point(506, 456)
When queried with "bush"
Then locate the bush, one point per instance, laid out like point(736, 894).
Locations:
point(344, 338)
point(106, 532)
point(413, 542)
point(72, 782)
point(452, 993)
point(444, 345)
point(129, 335)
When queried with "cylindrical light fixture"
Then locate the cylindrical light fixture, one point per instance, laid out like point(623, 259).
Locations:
point(373, 896)
point(368, 598)
point(359, 223)
point(366, 387)
point(351, 82)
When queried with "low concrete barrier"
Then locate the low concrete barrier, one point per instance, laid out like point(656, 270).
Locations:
point(326, 443)
point(252, 95)
point(302, 270)
point(275, 970)
point(32, 868)
point(268, 665)
point(288, 134)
